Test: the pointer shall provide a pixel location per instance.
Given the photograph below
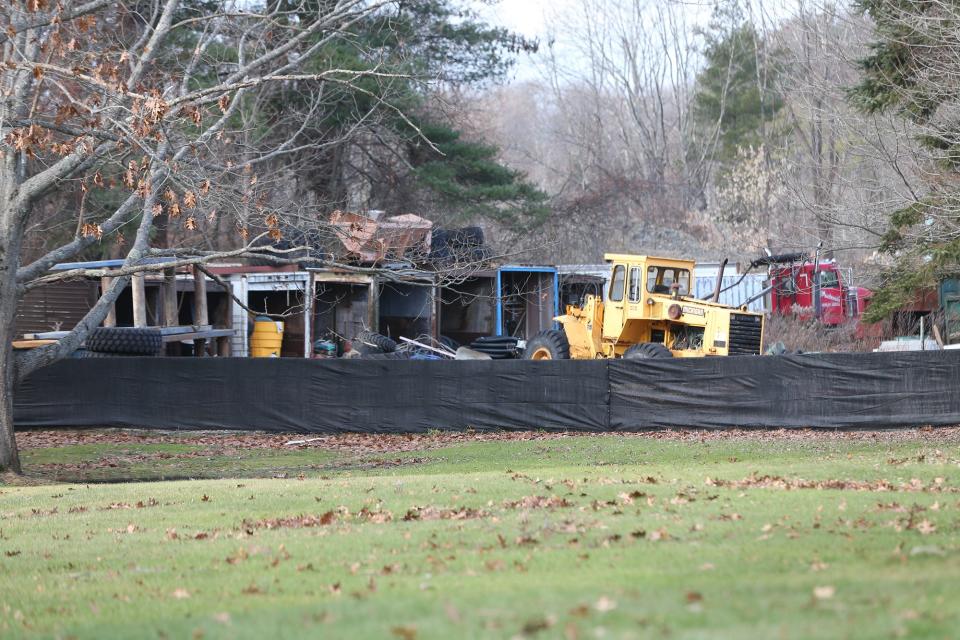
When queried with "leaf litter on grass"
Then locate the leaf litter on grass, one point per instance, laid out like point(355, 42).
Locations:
point(452, 537)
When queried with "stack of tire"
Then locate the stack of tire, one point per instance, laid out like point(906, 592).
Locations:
point(497, 347)
point(115, 342)
point(376, 346)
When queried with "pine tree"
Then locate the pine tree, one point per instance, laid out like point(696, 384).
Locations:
point(735, 91)
point(911, 71)
point(418, 46)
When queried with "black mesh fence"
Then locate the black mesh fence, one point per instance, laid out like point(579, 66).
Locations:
point(822, 391)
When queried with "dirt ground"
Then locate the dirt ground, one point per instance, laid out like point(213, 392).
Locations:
point(364, 443)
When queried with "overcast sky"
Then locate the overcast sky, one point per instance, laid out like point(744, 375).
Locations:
point(526, 17)
point(532, 18)
point(522, 16)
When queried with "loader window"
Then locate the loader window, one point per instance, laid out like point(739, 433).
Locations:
point(659, 279)
point(617, 284)
point(635, 284)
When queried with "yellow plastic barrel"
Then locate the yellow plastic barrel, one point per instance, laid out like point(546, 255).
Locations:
point(266, 338)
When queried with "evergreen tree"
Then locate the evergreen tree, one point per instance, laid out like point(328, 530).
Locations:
point(466, 175)
point(735, 95)
point(911, 71)
point(417, 46)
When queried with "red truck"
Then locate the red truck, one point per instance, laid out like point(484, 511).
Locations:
point(795, 290)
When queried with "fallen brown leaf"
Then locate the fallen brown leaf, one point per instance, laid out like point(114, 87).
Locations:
point(824, 593)
point(406, 632)
point(605, 604)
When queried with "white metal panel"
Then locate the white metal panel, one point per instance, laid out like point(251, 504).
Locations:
point(277, 281)
point(737, 294)
point(243, 284)
point(238, 315)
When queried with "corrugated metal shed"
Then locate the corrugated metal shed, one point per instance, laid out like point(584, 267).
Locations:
point(290, 288)
point(58, 306)
point(705, 279)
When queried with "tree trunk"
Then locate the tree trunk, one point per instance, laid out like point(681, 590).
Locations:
point(9, 458)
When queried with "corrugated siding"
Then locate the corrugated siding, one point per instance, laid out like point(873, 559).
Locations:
point(749, 287)
point(239, 318)
point(56, 306)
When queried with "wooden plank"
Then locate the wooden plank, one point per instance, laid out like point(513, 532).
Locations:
point(31, 344)
point(169, 331)
point(46, 335)
point(199, 335)
point(341, 278)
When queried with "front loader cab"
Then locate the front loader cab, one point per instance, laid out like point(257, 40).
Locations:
point(649, 312)
point(668, 280)
point(641, 290)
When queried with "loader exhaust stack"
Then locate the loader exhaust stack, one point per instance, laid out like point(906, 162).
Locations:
point(716, 290)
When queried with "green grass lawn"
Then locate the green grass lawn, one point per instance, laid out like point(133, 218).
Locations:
point(582, 537)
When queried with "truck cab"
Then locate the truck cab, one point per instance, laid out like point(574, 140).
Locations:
point(793, 286)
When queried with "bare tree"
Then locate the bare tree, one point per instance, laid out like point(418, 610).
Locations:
point(160, 104)
point(843, 169)
point(625, 84)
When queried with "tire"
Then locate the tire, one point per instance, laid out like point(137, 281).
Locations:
point(135, 341)
point(548, 345)
point(646, 350)
point(505, 346)
point(504, 343)
point(393, 355)
point(374, 339)
point(449, 343)
point(485, 348)
point(496, 340)
point(84, 354)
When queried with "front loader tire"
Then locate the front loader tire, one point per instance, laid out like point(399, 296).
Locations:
point(645, 350)
point(548, 345)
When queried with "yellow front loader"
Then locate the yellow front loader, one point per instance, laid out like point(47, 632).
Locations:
point(649, 313)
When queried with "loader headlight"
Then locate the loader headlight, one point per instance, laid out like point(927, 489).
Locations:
point(674, 311)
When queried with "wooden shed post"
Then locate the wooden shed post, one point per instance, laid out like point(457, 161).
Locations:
point(200, 314)
point(171, 312)
point(373, 305)
point(139, 291)
point(111, 319)
point(171, 316)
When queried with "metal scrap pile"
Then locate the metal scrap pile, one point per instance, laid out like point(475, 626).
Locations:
point(373, 238)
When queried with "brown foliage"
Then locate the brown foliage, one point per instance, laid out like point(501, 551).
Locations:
point(810, 335)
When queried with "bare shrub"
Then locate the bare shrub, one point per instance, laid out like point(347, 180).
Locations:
point(802, 332)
